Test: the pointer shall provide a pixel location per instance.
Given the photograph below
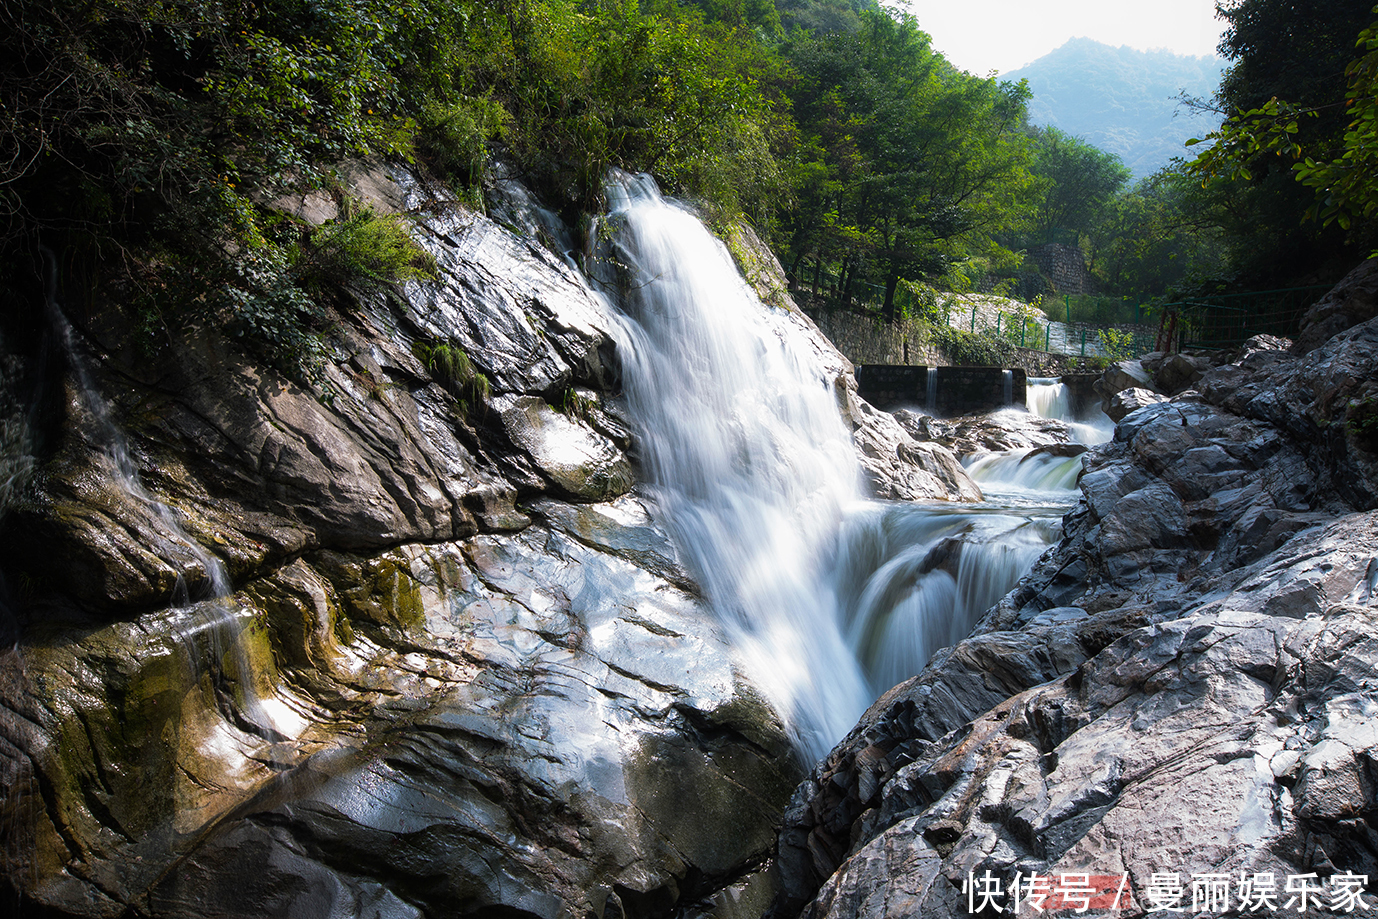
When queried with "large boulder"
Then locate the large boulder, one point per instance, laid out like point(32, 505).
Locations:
point(1352, 301)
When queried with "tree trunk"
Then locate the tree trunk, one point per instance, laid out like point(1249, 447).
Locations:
point(888, 311)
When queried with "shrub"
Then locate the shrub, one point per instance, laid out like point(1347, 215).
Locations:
point(971, 349)
point(363, 247)
point(449, 364)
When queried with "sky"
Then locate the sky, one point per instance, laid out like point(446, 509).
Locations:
point(981, 36)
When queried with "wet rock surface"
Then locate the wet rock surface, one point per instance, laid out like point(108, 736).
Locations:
point(461, 669)
point(1179, 686)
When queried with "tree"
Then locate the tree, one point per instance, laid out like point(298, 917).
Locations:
point(920, 162)
point(1341, 170)
point(1077, 182)
point(1296, 90)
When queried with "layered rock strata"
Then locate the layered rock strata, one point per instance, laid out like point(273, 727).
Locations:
point(460, 669)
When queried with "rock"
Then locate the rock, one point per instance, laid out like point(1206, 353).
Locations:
point(1126, 401)
point(900, 468)
point(456, 675)
point(459, 669)
point(576, 460)
point(996, 432)
point(1352, 301)
point(1120, 376)
point(1179, 371)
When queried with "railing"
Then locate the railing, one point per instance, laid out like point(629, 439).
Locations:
point(1227, 320)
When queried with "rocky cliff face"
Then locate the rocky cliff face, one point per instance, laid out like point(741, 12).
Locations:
point(1184, 686)
point(459, 670)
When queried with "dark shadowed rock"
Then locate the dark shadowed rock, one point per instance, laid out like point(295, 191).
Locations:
point(1352, 301)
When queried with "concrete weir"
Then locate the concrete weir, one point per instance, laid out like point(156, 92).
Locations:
point(943, 391)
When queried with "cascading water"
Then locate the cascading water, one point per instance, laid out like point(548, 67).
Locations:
point(1049, 397)
point(1041, 475)
point(747, 457)
point(210, 622)
point(830, 599)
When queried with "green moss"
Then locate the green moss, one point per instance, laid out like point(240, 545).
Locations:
point(1361, 423)
point(451, 367)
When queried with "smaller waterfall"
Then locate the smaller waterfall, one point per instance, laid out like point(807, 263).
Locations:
point(931, 391)
point(1026, 470)
point(915, 578)
point(1049, 397)
point(212, 631)
point(1007, 381)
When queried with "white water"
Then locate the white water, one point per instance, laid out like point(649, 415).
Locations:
point(210, 621)
point(1022, 475)
point(748, 460)
point(1049, 397)
point(829, 599)
point(1024, 470)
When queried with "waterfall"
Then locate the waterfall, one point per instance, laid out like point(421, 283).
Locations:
point(1026, 470)
point(210, 619)
point(829, 599)
point(916, 578)
point(1049, 397)
point(747, 458)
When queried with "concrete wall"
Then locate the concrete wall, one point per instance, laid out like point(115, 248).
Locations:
point(956, 390)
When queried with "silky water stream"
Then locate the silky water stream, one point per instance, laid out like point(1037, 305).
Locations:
point(830, 598)
point(207, 625)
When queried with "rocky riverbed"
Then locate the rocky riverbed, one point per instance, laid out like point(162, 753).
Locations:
point(1183, 689)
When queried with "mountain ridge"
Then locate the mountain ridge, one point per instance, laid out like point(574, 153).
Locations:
point(1122, 100)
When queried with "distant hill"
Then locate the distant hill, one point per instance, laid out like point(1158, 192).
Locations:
point(1121, 100)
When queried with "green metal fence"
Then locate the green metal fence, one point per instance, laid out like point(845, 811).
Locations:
point(1227, 320)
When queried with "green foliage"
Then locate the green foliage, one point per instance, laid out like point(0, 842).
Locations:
point(1089, 308)
point(907, 164)
point(1361, 421)
point(455, 136)
point(1020, 326)
point(1077, 183)
point(1164, 234)
point(923, 304)
point(1294, 145)
point(574, 404)
point(1117, 344)
point(451, 367)
point(363, 247)
point(968, 349)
